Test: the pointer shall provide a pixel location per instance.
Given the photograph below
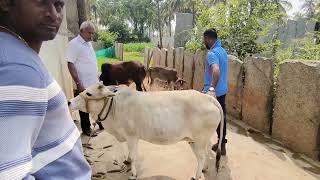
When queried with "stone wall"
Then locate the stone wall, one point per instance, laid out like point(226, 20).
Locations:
point(188, 69)
point(171, 58)
point(147, 57)
point(156, 57)
point(163, 57)
point(290, 112)
point(235, 94)
point(179, 57)
point(296, 120)
point(199, 65)
point(257, 93)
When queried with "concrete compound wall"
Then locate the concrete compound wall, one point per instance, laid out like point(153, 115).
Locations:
point(291, 31)
point(289, 112)
point(183, 29)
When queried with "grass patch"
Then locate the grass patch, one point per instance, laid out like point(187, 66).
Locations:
point(137, 47)
point(105, 60)
point(134, 56)
point(133, 52)
point(128, 56)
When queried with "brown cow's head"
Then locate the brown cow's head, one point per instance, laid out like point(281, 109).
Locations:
point(105, 76)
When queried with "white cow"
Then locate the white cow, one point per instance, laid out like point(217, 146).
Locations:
point(163, 118)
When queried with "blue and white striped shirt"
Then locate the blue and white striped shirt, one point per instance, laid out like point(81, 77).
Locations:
point(38, 139)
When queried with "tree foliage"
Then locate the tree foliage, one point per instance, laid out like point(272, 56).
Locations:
point(108, 38)
point(240, 24)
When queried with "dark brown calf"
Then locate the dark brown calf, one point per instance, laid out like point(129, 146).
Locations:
point(122, 73)
point(166, 74)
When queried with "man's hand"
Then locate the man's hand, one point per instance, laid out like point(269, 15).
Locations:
point(212, 93)
point(80, 88)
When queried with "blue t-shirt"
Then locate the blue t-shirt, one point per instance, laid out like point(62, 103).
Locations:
point(217, 55)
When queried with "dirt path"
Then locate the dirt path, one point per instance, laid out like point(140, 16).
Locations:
point(251, 156)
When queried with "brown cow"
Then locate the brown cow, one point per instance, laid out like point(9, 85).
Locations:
point(169, 75)
point(122, 73)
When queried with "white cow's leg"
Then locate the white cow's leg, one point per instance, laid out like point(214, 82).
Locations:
point(129, 159)
point(199, 150)
point(206, 163)
point(133, 153)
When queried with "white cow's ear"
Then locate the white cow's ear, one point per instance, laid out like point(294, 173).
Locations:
point(100, 86)
point(109, 91)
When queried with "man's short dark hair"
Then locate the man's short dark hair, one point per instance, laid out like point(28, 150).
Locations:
point(211, 33)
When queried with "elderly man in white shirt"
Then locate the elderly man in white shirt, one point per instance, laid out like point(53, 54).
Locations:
point(82, 64)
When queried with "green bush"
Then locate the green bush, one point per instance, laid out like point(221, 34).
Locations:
point(121, 29)
point(193, 45)
point(108, 38)
point(304, 50)
point(137, 47)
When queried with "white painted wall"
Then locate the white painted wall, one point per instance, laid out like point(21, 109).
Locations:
point(53, 55)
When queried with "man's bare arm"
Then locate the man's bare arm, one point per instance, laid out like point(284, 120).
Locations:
point(215, 75)
point(74, 75)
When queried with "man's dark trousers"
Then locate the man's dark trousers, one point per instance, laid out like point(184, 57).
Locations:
point(222, 101)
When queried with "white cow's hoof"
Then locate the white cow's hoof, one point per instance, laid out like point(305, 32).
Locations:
point(193, 178)
point(132, 177)
point(126, 162)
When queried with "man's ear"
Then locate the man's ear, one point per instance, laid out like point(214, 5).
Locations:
point(5, 5)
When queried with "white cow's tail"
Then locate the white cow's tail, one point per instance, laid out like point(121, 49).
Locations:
point(218, 155)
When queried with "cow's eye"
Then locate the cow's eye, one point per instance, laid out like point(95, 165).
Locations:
point(88, 94)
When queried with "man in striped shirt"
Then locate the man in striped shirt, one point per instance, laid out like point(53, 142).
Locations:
point(38, 139)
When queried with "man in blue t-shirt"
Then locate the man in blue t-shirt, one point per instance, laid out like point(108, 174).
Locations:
point(216, 77)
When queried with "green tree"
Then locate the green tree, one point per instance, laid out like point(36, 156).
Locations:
point(240, 24)
point(120, 28)
point(108, 10)
point(138, 12)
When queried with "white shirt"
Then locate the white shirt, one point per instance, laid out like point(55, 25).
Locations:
point(82, 55)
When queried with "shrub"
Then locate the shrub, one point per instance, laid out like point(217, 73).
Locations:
point(108, 38)
point(121, 29)
point(137, 47)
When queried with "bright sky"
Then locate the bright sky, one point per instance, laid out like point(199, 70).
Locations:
point(296, 6)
